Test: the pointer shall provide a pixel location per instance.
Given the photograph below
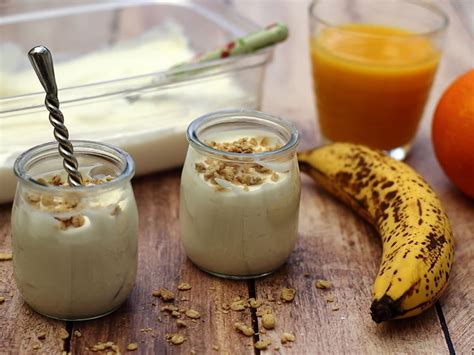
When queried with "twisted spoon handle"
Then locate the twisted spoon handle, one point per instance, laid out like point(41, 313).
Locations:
point(42, 62)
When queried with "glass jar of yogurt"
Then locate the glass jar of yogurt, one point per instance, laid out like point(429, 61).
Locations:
point(240, 193)
point(74, 248)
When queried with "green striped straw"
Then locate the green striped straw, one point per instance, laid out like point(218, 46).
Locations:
point(266, 37)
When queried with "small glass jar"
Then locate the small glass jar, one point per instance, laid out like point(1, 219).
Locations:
point(74, 248)
point(240, 193)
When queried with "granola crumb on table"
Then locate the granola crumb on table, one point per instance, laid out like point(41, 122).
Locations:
point(175, 338)
point(264, 310)
point(329, 298)
point(238, 305)
point(165, 294)
point(244, 329)
point(181, 323)
point(184, 286)
point(287, 337)
point(63, 333)
point(191, 313)
point(323, 284)
point(6, 256)
point(262, 344)
point(77, 334)
point(287, 294)
point(170, 308)
point(105, 346)
point(255, 303)
point(132, 346)
point(268, 321)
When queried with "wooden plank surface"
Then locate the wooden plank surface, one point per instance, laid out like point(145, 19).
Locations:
point(346, 250)
point(334, 244)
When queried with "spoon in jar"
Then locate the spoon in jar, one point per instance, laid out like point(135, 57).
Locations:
point(42, 62)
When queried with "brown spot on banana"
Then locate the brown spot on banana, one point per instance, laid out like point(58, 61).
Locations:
point(415, 231)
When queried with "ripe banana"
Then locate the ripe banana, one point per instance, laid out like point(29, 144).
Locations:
point(418, 246)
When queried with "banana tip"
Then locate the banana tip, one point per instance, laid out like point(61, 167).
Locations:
point(380, 312)
point(384, 309)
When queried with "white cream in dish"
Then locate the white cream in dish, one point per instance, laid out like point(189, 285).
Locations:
point(75, 256)
point(239, 226)
point(149, 124)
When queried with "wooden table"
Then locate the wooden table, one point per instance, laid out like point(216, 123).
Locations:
point(334, 244)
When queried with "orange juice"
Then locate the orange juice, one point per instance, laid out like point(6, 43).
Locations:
point(371, 83)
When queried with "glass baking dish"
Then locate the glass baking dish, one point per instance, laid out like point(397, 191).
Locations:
point(111, 63)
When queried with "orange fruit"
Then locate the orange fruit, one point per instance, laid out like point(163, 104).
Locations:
point(453, 132)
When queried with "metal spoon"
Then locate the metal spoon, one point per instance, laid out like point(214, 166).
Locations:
point(42, 62)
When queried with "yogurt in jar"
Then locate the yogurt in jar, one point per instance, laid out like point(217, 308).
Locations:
point(74, 253)
point(239, 217)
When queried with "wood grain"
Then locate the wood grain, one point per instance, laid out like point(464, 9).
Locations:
point(334, 244)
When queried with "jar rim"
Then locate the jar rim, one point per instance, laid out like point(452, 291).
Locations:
point(194, 140)
point(22, 160)
point(430, 7)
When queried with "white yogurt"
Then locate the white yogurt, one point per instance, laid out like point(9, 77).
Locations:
point(75, 272)
point(240, 231)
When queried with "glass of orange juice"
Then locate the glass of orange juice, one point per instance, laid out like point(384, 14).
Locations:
point(373, 65)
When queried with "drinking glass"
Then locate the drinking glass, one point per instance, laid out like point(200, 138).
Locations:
point(373, 65)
